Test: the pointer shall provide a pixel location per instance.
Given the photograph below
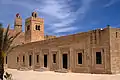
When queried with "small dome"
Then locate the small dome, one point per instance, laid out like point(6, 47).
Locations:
point(18, 15)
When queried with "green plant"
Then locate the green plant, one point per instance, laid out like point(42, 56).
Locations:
point(5, 46)
point(8, 76)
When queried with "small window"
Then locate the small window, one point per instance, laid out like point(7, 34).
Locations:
point(54, 58)
point(35, 15)
point(37, 58)
point(28, 27)
point(38, 27)
point(116, 34)
point(17, 59)
point(98, 58)
point(79, 58)
point(23, 59)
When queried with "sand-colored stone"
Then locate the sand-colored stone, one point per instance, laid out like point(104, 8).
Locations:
point(87, 43)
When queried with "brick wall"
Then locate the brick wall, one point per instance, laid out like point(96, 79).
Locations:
point(115, 50)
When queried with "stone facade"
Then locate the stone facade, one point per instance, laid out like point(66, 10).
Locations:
point(95, 51)
point(34, 28)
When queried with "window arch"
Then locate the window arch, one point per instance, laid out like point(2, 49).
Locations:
point(116, 34)
point(32, 14)
point(35, 15)
point(28, 27)
point(37, 27)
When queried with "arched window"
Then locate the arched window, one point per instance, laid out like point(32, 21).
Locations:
point(28, 27)
point(36, 27)
point(17, 59)
point(35, 15)
point(32, 14)
point(116, 34)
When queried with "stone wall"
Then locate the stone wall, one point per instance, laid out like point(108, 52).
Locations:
point(72, 45)
point(100, 44)
point(115, 50)
point(32, 34)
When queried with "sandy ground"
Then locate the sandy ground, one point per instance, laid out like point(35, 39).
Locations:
point(49, 75)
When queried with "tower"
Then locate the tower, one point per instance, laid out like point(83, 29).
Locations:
point(34, 28)
point(18, 23)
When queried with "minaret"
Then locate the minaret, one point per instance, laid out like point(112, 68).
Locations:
point(18, 23)
point(34, 28)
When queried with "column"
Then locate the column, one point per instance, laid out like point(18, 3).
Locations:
point(33, 60)
point(60, 59)
point(71, 63)
point(49, 59)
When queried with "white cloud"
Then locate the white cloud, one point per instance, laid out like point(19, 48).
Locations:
point(63, 23)
point(53, 8)
point(65, 29)
point(57, 10)
point(24, 3)
point(111, 2)
point(65, 15)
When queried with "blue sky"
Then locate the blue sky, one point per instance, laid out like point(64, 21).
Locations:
point(63, 17)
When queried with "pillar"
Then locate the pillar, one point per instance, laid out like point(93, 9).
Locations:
point(71, 59)
point(60, 59)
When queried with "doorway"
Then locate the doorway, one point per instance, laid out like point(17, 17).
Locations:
point(45, 60)
point(30, 60)
point(65, 61)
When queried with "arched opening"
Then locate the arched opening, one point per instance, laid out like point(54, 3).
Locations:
point(32, 14)
point(35, 15)
point(38, 27)
point(28, 27)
